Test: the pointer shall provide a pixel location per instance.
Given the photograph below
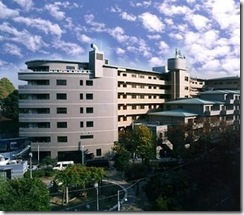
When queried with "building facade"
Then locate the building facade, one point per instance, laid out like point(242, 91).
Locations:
point(67, 106)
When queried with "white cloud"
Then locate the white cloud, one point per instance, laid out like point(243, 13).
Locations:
point(163, 46)
point(141, 4)
point(156, 61)
point(151, 22)
point(44, 25)
point(6, 12)
point(55, 11)
point(128, 17)
point(120, 51)
point(118, 34)
point(115, 9)
point(12, 49)
point(68, 47)
point(96, 26)
point(200, 22)
point(154, 37)
point(26, 4)
point(84, 38)
point(32, 42)
point(168, 9)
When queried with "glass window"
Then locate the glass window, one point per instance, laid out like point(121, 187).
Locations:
point(61, 96)
point(89, 124)
point(61, 82)
point(98, 152)
point(61, 124)
point(86, 137)
point(89, 96)
point(81, 96)
point(81, 124)
point(89, 83)
point(81, 109)
point(61, 110)
point(81, 82)
point(89, 110)
point(62, 139)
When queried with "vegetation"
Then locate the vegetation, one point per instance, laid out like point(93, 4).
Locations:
point(24, 194)
point(78, 176)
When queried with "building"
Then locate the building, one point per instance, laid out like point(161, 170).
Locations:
point(224, 83)
point(68, 106)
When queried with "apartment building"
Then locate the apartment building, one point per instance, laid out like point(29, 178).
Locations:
point(224, 83)
point(68, 106)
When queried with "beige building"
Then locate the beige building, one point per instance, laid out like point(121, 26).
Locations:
point(68, 106)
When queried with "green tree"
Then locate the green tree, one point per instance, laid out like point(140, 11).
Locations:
point(142, 139)
point(24, 194)
point(10, 106)
point(6, 88)
point(79, 176)
point(121, 158)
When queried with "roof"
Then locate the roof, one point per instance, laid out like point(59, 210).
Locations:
point(223, 78)
point(221, 92)
point(174, 113)
point(193, 101)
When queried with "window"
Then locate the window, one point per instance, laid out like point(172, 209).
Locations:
point(89, 124)
point(61, 124)
point(186, 78)
point(99, 56)
point(81, 96)
point(141, 106)
point(124, 74)
point(89, 96)
point(124, 85)
point(124, 96)
point(89, 83)
point(61, 82)
point(124, 107)
point(141, 76)
point(133, 96)
point(133, 75)
point(186, 88)
point(61, 110)
point(61, 96)
point(81, 109)
point(86, 137)
point(98, 152)
point(70, 67)
point(81, 82)
point(133, 107)
point(89, 110)
point(62, 139)
point(141, 96)
point(40, 139)
point(81, 124)
point(133, 85)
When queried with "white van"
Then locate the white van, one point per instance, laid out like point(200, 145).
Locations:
point(61, 165)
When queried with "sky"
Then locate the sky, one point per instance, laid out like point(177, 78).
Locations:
point(131, 33)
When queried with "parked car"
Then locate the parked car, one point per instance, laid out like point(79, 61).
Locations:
point(61, 165)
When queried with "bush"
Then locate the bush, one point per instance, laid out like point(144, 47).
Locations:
point(136, 171)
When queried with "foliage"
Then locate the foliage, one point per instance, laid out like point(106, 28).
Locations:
point(79, 176)
point(10, 106)
point(48, 161)
point(136, 171)
point(24, 194)
point(143, 142)
point(6, 87)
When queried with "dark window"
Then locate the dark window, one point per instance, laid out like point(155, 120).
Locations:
point(61, 124)
point(61, 96)
point(61, 110)
point(61, 82)
point(89, 83)
point(133, 107)
point(81, 82)
point(89, 124)
point(98, 152)
point(186, 78)
point(40, 139)
point(86, 137)
point(89, 110)
point(99, 56)
point(81, 96)
point(81, 124)
point(70, 67)
point(89, 96)
point(81, 109)
point(62, 139)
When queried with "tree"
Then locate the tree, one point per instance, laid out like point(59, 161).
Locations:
point(79, 176)
point(10, 106)
point(6, 88)
point(24, 194)
point(121, 158)
point(142, 139)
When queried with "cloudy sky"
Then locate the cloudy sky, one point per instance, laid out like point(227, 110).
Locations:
point(131, 33)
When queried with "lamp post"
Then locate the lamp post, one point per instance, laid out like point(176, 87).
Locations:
point(96, 186)
point(30, 154)
point(125, 199)
point(83, 158)
point(118, 201)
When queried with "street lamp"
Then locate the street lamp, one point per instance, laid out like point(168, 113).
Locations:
point(119, 203)
point(30, 154)
point(83, 158)
point(96, 186)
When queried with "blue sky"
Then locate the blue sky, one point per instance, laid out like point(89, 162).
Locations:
point(131, 33)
